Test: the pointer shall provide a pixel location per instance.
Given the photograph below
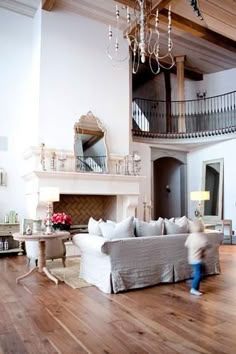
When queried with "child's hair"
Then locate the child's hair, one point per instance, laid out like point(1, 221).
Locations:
point(196, 225)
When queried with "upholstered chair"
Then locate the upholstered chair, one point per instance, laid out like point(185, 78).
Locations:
point(54, 249)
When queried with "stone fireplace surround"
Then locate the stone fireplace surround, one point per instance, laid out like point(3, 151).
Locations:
point(118, 194)
point(106, 195)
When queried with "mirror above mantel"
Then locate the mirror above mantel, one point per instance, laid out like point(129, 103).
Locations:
point(90, 147)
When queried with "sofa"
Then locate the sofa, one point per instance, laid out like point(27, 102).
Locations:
point(135, 262)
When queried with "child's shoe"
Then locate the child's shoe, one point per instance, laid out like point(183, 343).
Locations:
point(195, 292)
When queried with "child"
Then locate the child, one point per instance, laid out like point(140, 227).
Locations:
point(197, 244)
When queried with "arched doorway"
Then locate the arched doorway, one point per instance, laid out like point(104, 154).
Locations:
point(169, 188)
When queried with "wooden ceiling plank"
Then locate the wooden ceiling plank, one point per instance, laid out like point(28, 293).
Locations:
point(48, 4)
point(160, 4)
point(199, 31)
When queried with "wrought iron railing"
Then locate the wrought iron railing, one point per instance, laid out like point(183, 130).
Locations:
point(91, 164)
point(201, 117)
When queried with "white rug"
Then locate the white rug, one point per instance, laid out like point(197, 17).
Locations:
point(69, 274)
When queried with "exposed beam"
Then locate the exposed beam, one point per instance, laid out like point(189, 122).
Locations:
point(158, 4)
point(98, 133)
point(144, 74)
point(199, 31)
point(92, 141)
point(48, 5)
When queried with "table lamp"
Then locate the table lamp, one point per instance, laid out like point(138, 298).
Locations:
point(49, 195)
point(199, 196)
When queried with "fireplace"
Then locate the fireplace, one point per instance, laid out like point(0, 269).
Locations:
point(81, 207)
point(84, 194)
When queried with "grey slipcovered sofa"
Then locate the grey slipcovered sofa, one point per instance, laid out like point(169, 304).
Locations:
point(136, 262)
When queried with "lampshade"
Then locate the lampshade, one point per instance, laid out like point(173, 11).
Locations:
point(49, 194)
point(200, 195)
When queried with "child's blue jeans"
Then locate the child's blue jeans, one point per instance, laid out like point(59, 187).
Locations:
point(197, 275)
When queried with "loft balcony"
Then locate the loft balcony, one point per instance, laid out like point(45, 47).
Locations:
point(203, 117)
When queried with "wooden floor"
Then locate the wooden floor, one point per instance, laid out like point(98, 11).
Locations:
point(39, 317)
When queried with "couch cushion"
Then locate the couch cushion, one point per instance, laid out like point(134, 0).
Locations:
point(153, 228)
point(111, 230)
point(183, 221)
point(94, 227)
point(172, 228)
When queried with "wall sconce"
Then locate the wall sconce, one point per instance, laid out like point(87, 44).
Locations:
point(3, 177)
point(201, 94)
point(168, 188)
point(199, 196)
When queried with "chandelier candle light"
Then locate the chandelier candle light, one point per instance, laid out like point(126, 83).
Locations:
point(199, 196)
point(49, 195)
point(143, 38)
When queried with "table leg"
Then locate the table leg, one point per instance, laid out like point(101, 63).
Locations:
point(20, 253)
point(27, 274)
point(42, 256)
point(42, 262)
point(49, 275)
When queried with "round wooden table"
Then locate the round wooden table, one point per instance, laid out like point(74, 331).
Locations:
point(41, 238)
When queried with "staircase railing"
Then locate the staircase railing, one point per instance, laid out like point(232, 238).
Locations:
point(171, 119)
point(91, 164)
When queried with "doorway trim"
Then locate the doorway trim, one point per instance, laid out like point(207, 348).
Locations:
point(157, 153)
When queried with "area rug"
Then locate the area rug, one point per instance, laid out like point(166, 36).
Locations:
point(68, 274)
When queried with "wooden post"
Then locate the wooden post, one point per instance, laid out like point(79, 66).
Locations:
point(180, 91)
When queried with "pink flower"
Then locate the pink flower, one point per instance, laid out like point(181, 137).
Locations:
point(61, 218)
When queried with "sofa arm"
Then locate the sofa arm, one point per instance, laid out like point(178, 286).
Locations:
point(91, 244)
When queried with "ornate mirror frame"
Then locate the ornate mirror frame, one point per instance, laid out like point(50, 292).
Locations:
point(89, 131)
point(215, 185)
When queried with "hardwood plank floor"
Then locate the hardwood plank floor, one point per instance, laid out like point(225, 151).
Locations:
point(38, 316)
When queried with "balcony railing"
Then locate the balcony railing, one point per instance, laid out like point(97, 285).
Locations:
point(180, 119)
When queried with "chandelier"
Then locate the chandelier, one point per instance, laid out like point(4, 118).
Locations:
point(143, 37)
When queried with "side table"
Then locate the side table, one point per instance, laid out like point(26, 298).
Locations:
point(41, 238)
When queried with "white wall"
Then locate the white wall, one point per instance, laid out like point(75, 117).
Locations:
point(53, 70)
point(16, 110)
point(77, 76)
point(219, 83)
point(195, 160)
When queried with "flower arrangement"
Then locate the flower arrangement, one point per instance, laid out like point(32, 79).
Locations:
point(61, 221)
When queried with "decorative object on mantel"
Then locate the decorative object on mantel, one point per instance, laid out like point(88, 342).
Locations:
point(42, 156)
point(53, 161)
point(130, 165)
point(62, 158)
point(3, 177)
point(49, 195)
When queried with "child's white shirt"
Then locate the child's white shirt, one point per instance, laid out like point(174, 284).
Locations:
point(196, 243)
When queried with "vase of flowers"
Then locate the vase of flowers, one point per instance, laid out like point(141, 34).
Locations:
point(61, 221)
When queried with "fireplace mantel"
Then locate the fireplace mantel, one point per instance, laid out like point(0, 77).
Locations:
point(125, 187)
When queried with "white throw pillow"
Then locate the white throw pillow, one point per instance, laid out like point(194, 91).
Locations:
point(183, 221)
point(123, 229)
point(153, 228)
point(94, 227)
point(172, 228)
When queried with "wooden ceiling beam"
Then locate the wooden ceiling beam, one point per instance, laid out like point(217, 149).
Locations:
point(158, 4)
point(145, 74)
point(196, 30)
point(92, 141)
point(48, 4)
